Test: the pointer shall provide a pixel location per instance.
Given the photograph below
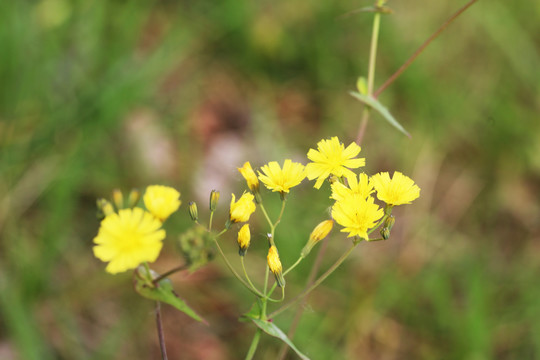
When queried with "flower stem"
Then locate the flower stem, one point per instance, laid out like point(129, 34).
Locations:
point(159, 325)
point(247, 276)
point(293, 265)
point(254, 344)
point(254, 291)
point(210, 221)
point(170, 272)
point(371, 73)
point(316, 283)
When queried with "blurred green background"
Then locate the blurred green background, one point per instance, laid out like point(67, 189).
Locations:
point(104, 94)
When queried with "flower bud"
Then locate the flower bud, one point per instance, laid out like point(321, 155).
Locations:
point(275, 265)
point(118, 199)
point(133, 198)
point(193, 212)
point(385, 233)
point(244, 238)
point(250, 176)
point(389, 222)
point(361, 85)
point(320, 232)
point(214, 198)
point(105, 207)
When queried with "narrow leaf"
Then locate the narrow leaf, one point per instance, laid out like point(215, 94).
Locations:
point(164, 292)
point(272, 330)
point(375, 104)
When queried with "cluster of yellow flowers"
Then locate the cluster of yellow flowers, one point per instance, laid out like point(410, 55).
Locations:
point(130, 236)
point(354, 208)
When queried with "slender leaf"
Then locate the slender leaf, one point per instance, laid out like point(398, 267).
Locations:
point(271, 329)
point(163, 292)
point(375, 104)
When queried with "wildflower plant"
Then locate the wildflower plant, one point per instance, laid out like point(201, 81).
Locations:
point(131, 237)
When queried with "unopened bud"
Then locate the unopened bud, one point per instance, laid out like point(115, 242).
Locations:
point(118, 199)
point(275, 265)
point(389, 222)
point(361, 85)
point(250, 176)
point(385, 233)
point(244, 239)
point(105, 207)
point(193, 212)
point(214, 198)
point(133, 198)
point(320, 232)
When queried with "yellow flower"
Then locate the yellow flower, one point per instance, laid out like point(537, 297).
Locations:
point(250, 176)
point(242, 209)
point(320, 232)
point(277, 179)
point(161, 201)
point(128, 239)
point(331, 157)
point(360, 186)
point(244, 238)
point(275, 265)
point(396, 191)
point(356, 214)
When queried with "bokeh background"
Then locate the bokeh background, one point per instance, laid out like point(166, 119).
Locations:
point(104, 94)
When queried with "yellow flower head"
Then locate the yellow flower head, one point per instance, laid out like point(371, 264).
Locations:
point(357, 185)
point(331, 157)
point(277, 179)
point(356, 214)
point(275, 265)
point(320, 232)
point(127, 239)
point(396, 191)
point(242, 209)
point(161, 201)
point(250, 176)
point(244, 238)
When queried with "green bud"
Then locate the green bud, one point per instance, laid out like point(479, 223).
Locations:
point(214, 198)
point(105, 208)
point(385, 233)
point(133, 198)
point(389, 222)
point(361, 85)
point(193, 212)
point(118, 199)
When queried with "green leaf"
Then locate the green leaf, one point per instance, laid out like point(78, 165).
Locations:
point(375, 104)
point(163, 291)
point(271, 329)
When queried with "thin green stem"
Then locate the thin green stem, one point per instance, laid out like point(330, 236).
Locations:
point(247, 276)
point(170, 272)
point(316, 283)
point(373, 52)
point(300, 308)
point(210, 221)
point(418, 51)
point(261, 206)
point(283, 203)
point(371, 74)
point(293, 265)
point(234, 271)
point(254, 344)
